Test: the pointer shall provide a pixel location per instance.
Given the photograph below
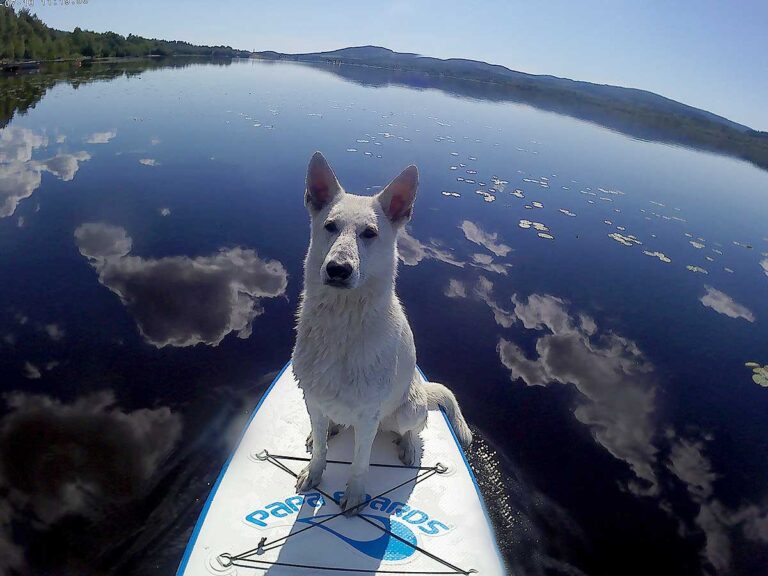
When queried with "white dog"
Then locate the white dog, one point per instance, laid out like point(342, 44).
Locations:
point(355, 358)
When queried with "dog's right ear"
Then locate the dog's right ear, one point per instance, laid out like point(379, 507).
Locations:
point(322, 185)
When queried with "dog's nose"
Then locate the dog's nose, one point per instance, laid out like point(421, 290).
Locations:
point(338, 271)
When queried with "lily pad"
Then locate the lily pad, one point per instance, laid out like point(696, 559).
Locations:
point(760, 373)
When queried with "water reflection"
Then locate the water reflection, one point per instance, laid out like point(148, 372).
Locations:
point(721, 303)
point(611, 374)
point(455, 289)
point(79, 458)
point(523, 516)
point(20, 93)
point(617, 389)
point(633, 121)
point(20, 175)
point(412, 251)
point(679, 428)
point(489, 241)
point(715, 519)
point(183, 301)
point(486, 262)
point(100, 137)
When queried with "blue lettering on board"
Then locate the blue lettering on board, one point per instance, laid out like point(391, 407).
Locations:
point(397, 517)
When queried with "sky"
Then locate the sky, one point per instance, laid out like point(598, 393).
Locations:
point(706, 53)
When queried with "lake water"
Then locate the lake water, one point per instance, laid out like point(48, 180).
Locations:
point(591, 298)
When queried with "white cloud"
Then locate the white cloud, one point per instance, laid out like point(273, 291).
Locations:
point(17, 144)
point(182, 301)
point(54, 331)
point(149, 162)
point(64, 166)
point(613, 379)
point(31, 371)
point(20, 176)
point(17, 181)
point(714, 519)
point(688, 464)
point(617, 388)
point(484, 291)
point(723, 304)
point(412, 251)
point(544, 311)
point(488, 240)
point(81, 458)
point(754, 523)
point(100, 137)
point(98, 450)
point(485, 261)
point(455, 289)
point(100, 241)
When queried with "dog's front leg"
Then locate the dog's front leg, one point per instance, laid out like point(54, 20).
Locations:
point(365, 432)
point(310, 476)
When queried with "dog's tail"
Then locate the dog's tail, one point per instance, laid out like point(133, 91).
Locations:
point(439, 395)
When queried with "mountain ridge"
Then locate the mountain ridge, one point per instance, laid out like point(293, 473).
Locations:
point(637, 113)
point(372, 54)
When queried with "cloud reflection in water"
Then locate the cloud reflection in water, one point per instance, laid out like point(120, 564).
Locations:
point(178, 300)
point(20, 175)
point(721, 303)
point(617, 388)
point(62, 459)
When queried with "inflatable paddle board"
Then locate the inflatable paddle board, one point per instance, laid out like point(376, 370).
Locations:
point(424, 519)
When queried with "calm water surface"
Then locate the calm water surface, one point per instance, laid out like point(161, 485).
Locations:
point(592, 299)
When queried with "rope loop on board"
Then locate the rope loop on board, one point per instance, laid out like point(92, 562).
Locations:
point(225, 559)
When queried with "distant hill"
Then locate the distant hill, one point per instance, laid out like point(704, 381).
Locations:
point(638, 113)
point(23, 36)
point(482, 71)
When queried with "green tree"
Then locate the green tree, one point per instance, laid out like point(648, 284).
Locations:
point(24, 35)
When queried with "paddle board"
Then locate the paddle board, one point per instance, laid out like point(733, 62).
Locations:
point(426, 519)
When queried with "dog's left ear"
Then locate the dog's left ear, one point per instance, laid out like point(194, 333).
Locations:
point(397, 198)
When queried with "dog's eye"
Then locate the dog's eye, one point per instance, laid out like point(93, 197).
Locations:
point(331, 227)
point(369, 233)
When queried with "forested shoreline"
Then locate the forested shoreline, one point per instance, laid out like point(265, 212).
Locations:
point(24, 37)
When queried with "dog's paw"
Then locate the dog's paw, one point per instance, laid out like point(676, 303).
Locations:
point(308, 478)
point(354, 497)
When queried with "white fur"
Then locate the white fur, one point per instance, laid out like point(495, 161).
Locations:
point(355, 358)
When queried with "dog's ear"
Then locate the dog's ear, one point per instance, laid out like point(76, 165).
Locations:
point(322, 185)
point(397, 198)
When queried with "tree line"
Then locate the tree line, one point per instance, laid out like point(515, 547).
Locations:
point(23, 36)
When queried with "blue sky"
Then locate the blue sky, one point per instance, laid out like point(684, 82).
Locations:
point(710, 54)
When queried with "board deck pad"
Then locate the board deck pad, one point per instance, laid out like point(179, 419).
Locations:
point(435, 521)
